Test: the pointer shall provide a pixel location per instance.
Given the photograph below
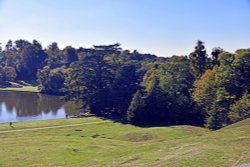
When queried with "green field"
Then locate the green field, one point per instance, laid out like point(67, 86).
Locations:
point(115, 144)
point(23, 89)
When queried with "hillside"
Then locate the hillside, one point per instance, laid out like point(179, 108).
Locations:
point(114, 144)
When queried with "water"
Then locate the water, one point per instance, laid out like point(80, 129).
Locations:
point(23, 106)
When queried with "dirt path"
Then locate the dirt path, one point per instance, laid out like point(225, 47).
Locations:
point(52, 127)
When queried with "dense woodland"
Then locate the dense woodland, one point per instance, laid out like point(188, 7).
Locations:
point(210, 89)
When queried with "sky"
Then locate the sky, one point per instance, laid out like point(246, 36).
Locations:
point(161, 27)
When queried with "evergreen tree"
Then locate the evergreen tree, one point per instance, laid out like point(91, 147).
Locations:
point(215, 54)
point(198, 60)
point(124, 86)
point(137, 112)
point(55, 58)
point(91, 79)
point(70, 55)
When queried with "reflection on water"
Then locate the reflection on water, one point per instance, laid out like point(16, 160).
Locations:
point(23, 106)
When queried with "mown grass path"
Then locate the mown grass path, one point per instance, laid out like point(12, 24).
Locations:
point(52, 127)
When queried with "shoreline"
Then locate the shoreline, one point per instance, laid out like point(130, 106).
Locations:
point(31, 89)
point(46, 123)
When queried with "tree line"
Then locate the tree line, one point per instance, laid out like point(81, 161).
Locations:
point(198, 89)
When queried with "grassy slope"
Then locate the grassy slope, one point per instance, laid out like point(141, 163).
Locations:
point(114, 144)
point(23, 89)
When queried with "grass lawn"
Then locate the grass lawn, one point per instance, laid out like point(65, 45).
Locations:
point(23, 89)
point(114, 144)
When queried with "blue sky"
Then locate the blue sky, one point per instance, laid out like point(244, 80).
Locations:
point(161, 27)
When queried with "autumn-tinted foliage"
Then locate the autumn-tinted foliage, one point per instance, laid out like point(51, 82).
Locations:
point(218, 89)
point(197, 89)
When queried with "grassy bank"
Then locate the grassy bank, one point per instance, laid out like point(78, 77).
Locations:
point(23, 89)
point(115, 144)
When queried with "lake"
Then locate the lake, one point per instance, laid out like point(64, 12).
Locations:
point(23, 106)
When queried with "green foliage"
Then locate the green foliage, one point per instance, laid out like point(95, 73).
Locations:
point(240, 110)
point(167, 87)
point(7, 73)
point(137, 109)
point(10, 73)
point(217, 90)
point(70, 55)
point(51, 81)
point(110, 81)
point(25, 57)
point(2, 74)
point(218, 115)
point(32, 59)
point(55, 58)
point(215, 54)
point(241, 72)
point(199, 60)
point(90, 81)
point(105, 79)
point(204, 90)
point(124, 86)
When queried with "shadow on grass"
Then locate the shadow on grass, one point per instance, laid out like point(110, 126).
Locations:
point(146, 124)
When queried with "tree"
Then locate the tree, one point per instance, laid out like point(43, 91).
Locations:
point(10, 73)
point(157, 103)
point(176, 81)
point(215, 54)
point(198, 60)
point(205, 91)
point(51, 81)
point(137, 112)
point(1, 55)
point(2, 75)
point(21, 44)
point(55, 58)
point(142, 87)
point(125, 84)
point(224, 93)
point(32, 59)
point(231, 82)
point(108, 49)
point(240, 110)
point(241, 72)
point(168, 97)
point(56, 81)
point(9, 54)
point(70, 55)
point(91, 79)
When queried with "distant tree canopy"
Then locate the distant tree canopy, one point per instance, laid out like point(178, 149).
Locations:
point(25, 57)
point(145, 89)
point(218, 89)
